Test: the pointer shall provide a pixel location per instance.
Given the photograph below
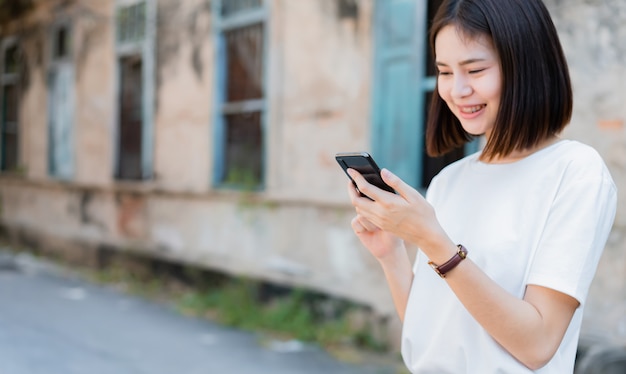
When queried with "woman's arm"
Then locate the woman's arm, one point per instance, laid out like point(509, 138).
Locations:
point(399, 274)
point(531, 329)
point(390, 252)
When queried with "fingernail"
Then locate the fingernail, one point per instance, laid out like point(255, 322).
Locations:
point(386, 173)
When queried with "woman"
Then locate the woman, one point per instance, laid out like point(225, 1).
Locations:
point(509, 237)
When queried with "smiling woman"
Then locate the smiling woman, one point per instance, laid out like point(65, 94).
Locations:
point(514, 232)
point(536, 86)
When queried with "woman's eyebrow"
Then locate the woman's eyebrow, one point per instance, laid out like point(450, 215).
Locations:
point(464, 62)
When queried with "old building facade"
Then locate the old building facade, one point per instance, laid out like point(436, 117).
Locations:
point(204, 131)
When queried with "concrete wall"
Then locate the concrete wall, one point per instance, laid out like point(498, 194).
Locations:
point(296, 231)
point(593, 34)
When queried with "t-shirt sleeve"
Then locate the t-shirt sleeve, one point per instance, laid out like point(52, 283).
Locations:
point(576, 231)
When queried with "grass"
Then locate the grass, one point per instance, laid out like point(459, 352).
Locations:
point(291, 316)
point(247, 304)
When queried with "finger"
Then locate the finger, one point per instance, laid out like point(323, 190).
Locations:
point(366, 224)
point(365, 187)
point(361, 224)
point(353, 192)
point(357, 226)
point(403, 189)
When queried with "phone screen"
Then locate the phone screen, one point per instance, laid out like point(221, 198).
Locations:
point(364, 164)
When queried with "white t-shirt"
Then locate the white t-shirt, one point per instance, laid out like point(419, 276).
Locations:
point(543, 220)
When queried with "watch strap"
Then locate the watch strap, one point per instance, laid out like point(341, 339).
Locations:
point(444, 268)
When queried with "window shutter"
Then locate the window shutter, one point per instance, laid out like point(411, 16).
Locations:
point(397, 128)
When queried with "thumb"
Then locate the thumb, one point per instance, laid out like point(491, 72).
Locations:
point(403, 189)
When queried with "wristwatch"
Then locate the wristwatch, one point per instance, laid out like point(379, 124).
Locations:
point(451, 263)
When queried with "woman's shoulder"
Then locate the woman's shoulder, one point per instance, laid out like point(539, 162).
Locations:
point(579, 159)
point(573, 164)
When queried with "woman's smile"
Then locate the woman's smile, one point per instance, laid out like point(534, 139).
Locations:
point(469, 112)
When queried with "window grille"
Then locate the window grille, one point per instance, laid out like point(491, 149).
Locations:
point(131, 23)
point(244, 53)
point(231, 7)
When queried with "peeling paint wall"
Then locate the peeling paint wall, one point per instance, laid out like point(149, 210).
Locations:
point(593, 34)
point(322, 96)
point(183, 144)
point(296, 231)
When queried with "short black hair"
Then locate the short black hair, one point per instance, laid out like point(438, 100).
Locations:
point(536, 101)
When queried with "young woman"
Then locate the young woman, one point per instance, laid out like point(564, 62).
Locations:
point(510, 237)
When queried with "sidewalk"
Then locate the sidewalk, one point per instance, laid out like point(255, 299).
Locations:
point(54, 323)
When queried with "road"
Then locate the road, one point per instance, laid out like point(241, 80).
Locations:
point(54, 323)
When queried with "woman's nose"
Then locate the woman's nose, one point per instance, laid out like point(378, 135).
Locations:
point(461, 87)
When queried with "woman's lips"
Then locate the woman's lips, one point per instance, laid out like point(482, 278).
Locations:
point(471, 111)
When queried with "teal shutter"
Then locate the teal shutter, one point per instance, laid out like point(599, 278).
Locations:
point(398, 100)
point(148, 90)
point(61, 123)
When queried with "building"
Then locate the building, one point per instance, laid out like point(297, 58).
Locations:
point(205, 131)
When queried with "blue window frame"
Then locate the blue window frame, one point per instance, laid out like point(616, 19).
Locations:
point(61, 103)
point(404, 80)
point(135, 22)
point(240, 103)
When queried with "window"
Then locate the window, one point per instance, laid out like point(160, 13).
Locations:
point(130, 118)
point(131, 23)
point(9, 109)
point(61, 104)
point(134, 24)
point(61, 43)
point(240, 96)
point(404, 80)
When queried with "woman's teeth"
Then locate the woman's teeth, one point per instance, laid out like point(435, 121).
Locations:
point(472, 109)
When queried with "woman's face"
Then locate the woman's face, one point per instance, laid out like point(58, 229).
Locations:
point(469, 80)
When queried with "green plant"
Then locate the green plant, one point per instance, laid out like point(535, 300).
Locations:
point(293, 315)
point(244, 178)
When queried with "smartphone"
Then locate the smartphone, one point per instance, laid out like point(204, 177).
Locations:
point(364, 164)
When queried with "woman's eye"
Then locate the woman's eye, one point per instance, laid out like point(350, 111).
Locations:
point(476, 71)
point(445, 73)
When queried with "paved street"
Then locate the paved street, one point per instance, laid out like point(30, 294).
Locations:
point(56, 324)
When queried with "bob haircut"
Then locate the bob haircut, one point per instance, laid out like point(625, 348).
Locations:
point(536, 101)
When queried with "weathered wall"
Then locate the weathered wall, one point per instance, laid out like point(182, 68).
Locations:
point(593, 34)
point(95, 95)
point(296, 231)
point(294, 244)
point(321, 102)
point(183, 156)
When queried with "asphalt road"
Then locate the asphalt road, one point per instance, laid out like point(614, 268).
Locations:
point(53, 323)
